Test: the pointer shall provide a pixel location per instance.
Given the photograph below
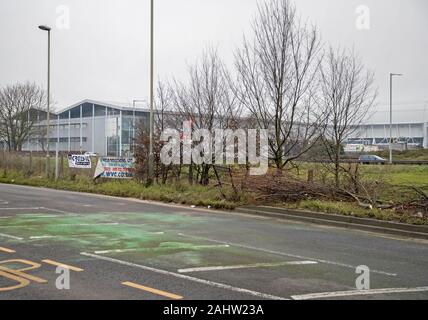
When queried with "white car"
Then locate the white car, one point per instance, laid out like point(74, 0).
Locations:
point(371, 159)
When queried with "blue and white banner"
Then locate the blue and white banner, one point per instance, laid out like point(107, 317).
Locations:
point(79, 161)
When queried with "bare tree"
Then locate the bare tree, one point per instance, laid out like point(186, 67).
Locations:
point(165, 119)
point(207, 100)
point(277, 79)
point(348, 92)
point(17, 105)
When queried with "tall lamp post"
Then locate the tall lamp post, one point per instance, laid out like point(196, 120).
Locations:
point(391, 76)
point(151, 155)
point(48, 29)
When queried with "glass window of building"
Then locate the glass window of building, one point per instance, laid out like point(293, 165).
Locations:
point(75, 112)
point(87, 110)
point(100, 111)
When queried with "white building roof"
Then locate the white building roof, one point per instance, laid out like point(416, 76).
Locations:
point(115, 105)
point(403, 113)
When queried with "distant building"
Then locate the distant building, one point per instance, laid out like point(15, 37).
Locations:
point(89, 126)
point(108, 129)
point(409, 130)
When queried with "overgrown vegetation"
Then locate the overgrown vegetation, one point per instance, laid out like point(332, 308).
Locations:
point(392, 183)
point(179, 193)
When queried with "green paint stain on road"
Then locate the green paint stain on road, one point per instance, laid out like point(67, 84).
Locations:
point(145, 238)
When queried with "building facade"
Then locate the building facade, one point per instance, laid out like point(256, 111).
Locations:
point(110, 129)
point(409, 129)
point(90, 126)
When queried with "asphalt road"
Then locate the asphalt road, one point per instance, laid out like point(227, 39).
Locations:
point(128, 249)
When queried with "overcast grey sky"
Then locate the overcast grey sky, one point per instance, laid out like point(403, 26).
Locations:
point(104, 54)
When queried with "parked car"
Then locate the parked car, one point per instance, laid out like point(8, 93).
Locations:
point(371, 159)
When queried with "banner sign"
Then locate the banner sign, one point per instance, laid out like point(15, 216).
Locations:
point(115, 168)
point(79, 161)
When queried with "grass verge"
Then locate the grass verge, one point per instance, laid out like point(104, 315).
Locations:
point(172, 193)
point(208, 197)
point(351, 209)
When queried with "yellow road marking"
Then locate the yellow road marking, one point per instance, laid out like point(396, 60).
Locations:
point(21, 281)
point(31, 265)
point(154, 291)
point(62, 265)
point(7, 250)
point(23, 275)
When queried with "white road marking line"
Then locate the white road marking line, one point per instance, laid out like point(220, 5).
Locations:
point(55, 210)
point(31, 208)
point(79, 236)
point(166, 248)
point(42, 237)
point(9, 236)
point(68, 225)
point(247, 266)
point(285, 254)
point(86, 224)
point(185, 277)
point(36, 216)
point(357, 293)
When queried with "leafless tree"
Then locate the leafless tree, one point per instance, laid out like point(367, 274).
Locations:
point(207, 100)
point(18, 105)
point(39, 134)
point(348, 92)
point(277, 80)
point(165, 118)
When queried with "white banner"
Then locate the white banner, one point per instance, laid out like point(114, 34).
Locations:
point(79, 161)
point(115, 168)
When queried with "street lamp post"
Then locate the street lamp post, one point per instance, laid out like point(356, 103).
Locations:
point(48, 29)
point(391, 75)
point(151, 155)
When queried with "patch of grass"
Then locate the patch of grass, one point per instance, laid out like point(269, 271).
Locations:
point(398, 174)
point(351, 209)
point(390, 177)
point(177, 193)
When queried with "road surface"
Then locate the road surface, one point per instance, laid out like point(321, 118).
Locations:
point(110, 248)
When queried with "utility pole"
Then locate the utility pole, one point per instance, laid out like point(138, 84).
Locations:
point(391, 75)
point(57, 150)
point(151, 155)
point(48, 29)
